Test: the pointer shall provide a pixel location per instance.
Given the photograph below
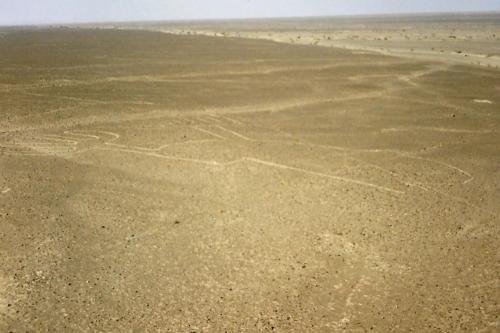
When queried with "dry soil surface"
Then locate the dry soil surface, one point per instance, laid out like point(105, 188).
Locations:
point(472, 39)
point(160, 183)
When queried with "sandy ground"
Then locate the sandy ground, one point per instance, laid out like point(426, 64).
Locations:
point(472, 39)
point(163, 183)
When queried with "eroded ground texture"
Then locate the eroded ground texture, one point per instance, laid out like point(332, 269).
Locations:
point(160, 183)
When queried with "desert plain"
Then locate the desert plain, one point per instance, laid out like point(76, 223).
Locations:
point(233, 177)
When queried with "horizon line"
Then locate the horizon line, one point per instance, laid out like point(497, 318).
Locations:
point(391, 14)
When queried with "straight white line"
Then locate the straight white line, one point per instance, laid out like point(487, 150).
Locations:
point(241, 136)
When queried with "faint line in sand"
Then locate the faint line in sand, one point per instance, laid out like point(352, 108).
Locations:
point(241, 136)
point(214, 118)
point(390, 151)
point(159, 148)
point(451, 166)
point(115, 136)
point(323, 175)
point(345, 318)
point(161, 156)
point(437, 129)
point(196, 128)
point(204, 121)
point(16, 153)
point(61, 139)
point(387, 151)
point(254, 160)
point(234, 121)
point(428, 188)
point(73, 133)
point(70, 98)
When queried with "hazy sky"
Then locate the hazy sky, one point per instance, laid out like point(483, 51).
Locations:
point(62, 11)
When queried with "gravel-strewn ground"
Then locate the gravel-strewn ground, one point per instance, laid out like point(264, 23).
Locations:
point(159, 183)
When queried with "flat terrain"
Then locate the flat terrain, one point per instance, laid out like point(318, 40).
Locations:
point(472, 39)
point(153, 182)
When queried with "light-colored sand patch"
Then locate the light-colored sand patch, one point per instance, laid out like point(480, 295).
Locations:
point(357, 46)
point(484, 101)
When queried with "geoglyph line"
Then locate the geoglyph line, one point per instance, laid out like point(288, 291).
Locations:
point(234, 121)
point(282, 166)
point(438, 129)
point(407, 155)
point(387, 151)
point(213, 118)
point(159, 148)
point(89, 136)
point(207, 132)
point(323, 175)
point(257, 161)
point(241, 136)
point(61, 139)
point(161, 156)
